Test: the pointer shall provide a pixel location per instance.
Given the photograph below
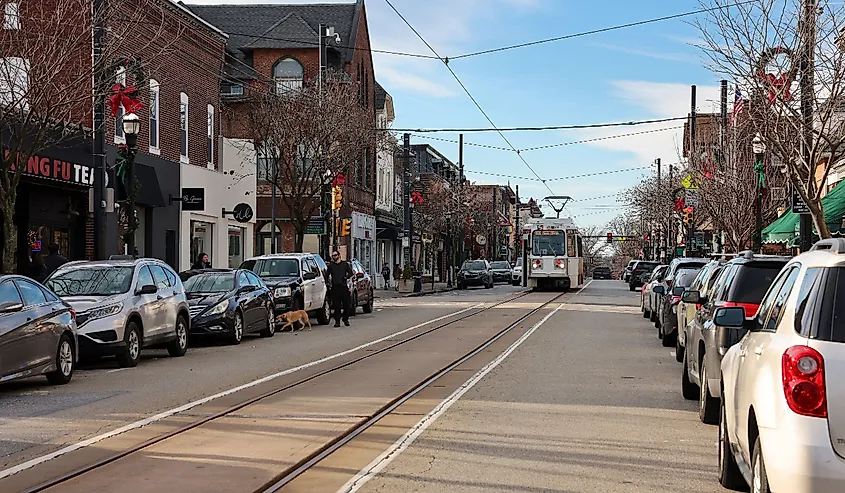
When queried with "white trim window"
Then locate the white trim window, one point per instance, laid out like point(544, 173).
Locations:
point(12, 16)
point(288, 75)
point(14, 83)
point(210, 136)
point(183, 128)
point(155, 92)
point(119, 137)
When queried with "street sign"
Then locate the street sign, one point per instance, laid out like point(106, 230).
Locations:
point(691, 197)
point(316, 226)
point(689, 183)
point(798, 205)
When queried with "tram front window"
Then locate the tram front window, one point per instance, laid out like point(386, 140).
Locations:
point(547, 243)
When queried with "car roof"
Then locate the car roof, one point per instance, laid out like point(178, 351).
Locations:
point(283, 255)
point(111, 263)
point(197, 272)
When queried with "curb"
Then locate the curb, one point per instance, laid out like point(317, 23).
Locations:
point(416, 295)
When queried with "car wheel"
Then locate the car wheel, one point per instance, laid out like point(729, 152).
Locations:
point(179, 346)
point(668, 340)
point(236, 335)
point(688, 389)
point(679, 350)
point(324, 314)
point(368, 307)
point(353, 308)
point(631, 287)
point(270, 330)
point(646, 313)
point(759, 478)
point(729, 475)
point(131, 354)
point(708, 407)
point(65, 362)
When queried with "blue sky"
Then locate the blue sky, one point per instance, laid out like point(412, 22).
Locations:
point(631, 74)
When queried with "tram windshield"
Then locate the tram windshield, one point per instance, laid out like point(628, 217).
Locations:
point(548, 243)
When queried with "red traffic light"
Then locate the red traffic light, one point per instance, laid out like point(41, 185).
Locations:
point(610, 237)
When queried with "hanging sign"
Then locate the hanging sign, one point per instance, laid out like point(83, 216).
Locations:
point(798, 204)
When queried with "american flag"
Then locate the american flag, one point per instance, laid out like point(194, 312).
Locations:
point(739, 106)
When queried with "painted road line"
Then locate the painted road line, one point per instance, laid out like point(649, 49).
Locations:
point(166, 414)
point(383, 460)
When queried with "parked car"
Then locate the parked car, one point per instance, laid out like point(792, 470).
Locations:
point(517, 273)
point(297, 281)
point(228, 303)
point(649, 297)
point(37, 332)
point(362, 289)
point(123, 306)
point(686, 311)
point(602, 273)
point(627, 272)
point(783, 402)
point(666, 318)
point(674, 266)
point(475, 273)
point(743, 283)
point(502, 271)
point(640, 273)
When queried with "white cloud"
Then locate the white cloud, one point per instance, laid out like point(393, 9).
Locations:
point(659, 55)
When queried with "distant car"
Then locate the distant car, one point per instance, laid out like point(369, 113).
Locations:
point(502, 271)
point(602, 273)
point(648, 298)
point(666, 320)
point(782, 406)
point(228, 303)
point(297, 281)
point(627, 272)
point(640, 273)
point(362, 289)
point(123, 306)
point(517, 274)
point(475, 273)
point(675, 266)
point(37, 332)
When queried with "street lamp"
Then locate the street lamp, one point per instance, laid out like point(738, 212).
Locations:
point(758, 146)
point(449, 250)
point(131, 127)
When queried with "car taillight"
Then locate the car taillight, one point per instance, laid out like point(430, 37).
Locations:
point(669, 283)
point(750, 308)
point(73, 313)
point(674, 300)
point(803, 381)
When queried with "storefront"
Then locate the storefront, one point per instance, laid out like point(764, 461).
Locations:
point(363, 241)
point(218, 209)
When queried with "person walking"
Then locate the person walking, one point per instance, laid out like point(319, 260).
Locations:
point(37, 269)
point(397, 275)
point(54, 260)
point(385, 273)
point(339, 273)
point(202, 262)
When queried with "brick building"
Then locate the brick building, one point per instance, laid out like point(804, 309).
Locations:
point(279, 43)
point(182, 57)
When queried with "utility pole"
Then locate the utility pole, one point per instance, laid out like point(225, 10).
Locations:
point(657, 242)
point(807, 70)
point(99, 151)
point(723, 153)
point(670, 226)
point(406, 199)
point(490, 242)
point(461, 201)
point(692, 155)
point(517, 232)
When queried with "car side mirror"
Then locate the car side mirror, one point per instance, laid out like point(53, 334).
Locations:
point(732, 317)
point(678, 291)
point(359, 275)
point(309, 276)
point(147, 289)
point(10, 307)
point(658, 289)
point(246, 289)
point(692, 297)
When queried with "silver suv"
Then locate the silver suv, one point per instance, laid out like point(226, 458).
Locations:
point(123, 306)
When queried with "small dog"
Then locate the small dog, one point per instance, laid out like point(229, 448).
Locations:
point(290, 318)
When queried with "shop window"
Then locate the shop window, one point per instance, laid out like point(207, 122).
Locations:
point(210, 136)
point(12, 17)
point(202, 240)
point(183, 128)
point(154, 103)
point(236, 246)
point(119, 138)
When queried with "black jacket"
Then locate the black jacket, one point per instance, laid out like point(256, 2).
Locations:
point(339, 273)
point(53, 262)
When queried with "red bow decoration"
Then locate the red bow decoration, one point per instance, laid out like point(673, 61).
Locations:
point(679, 205)
point(124, 96)
point(777, 84)
point(416, 198)
point(339, 180)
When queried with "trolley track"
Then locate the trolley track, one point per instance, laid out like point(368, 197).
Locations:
point(93, 466)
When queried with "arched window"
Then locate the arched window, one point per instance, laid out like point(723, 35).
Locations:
point(288, 74)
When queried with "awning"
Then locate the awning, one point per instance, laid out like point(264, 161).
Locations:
point(782, 230)
point(785, 228)
point(149, 190)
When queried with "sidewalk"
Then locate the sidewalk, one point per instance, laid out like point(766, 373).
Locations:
point(439, 287)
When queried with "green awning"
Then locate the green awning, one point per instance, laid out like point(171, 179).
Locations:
point(834, 207)
point(785, 228)
point(782, 230)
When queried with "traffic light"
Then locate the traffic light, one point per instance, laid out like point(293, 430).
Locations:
point(345, 226)
point(337, 198)
point(688, 217)
point(610, 237)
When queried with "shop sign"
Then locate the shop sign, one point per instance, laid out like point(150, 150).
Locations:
point(193, 199)
point(242, 213)
point(316, 226)
point(798, 204)
point(57, 170)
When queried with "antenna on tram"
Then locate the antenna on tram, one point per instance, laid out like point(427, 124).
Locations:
point(564, 198)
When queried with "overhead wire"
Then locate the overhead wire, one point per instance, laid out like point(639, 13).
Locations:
point(534, 129)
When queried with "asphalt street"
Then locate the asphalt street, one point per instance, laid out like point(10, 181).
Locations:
point(38, 419)
point(589, 403)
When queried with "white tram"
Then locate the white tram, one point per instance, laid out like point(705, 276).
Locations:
point(554, 254)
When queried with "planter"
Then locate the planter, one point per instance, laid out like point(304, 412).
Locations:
point(406, 286)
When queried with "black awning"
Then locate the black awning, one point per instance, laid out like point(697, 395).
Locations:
point(388, 233)
point(149, 190)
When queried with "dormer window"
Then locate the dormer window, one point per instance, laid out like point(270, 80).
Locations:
point(288, 75)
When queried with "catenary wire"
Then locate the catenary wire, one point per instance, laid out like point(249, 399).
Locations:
point(535, 129)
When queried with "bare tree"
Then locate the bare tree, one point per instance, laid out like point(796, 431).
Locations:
point(306, 137)
point(788, 57)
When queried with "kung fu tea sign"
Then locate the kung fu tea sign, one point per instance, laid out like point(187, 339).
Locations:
point(56, 170)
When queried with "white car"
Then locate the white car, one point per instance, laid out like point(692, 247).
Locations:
point(782, 423)
point(516, 276)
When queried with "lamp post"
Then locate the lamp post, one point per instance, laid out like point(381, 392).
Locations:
point(449, 250)
point(131, 127)
point(758, 146)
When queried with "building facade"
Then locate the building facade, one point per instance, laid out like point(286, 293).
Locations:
point(389, 192)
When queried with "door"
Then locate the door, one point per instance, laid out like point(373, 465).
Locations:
point(148, 305)
point(36, 306)
point(260, 296)
point(318, 284)
point(14, 332)
point(166, 296)
point(307, 285)
point(248, 301)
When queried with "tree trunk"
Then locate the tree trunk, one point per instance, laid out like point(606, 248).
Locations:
point(299, 227)
point(817, 213)
point(10, 239)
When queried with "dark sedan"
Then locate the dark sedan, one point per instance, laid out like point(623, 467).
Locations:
point(37, 332)
point(502, 271)
point(640, 274)
point(475, 273)
point(228, 303)
point(602, 273)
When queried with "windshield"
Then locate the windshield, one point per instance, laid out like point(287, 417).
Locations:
point(500, 265)
point(99, 281)
point(277, 267)
point(474, 265)
point(646, 266)
point(211, 283)
point(548, 243)
point(685, 277)
point(752, 281)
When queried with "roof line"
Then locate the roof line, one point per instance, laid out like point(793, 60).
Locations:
point(184, 8)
